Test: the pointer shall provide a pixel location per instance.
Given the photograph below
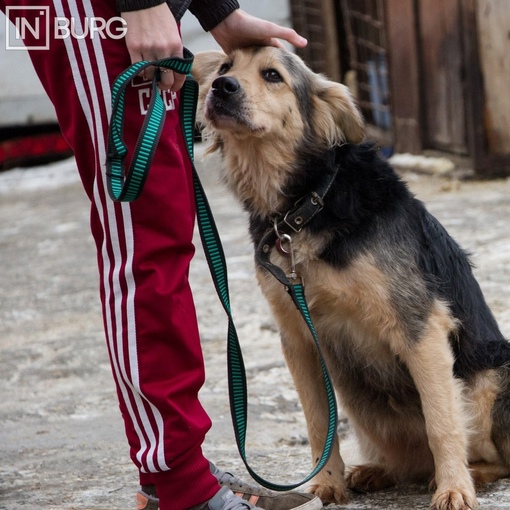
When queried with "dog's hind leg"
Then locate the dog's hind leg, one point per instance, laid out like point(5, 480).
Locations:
point(430, 363)
point(483, 472)
point(369, 478)
point(303, 362)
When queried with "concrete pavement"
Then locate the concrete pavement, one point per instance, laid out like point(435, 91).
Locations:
point(62, 443)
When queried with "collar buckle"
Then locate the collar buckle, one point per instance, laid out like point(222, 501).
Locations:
point(304, 210)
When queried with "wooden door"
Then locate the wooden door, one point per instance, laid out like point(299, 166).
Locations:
point(493, 17)
point(442, 74)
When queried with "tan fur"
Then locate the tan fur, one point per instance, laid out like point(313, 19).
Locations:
point(364, 304)
point(432, 425)
point(430, 363)
point(485, 463)
point(260, 152)
point(334, 108)
point(480, 396)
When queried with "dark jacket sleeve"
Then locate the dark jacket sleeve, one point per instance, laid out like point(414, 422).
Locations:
point(212, 12)
point(136, 5)
point(208, 12)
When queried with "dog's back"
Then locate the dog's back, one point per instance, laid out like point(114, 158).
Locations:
point(478, 343)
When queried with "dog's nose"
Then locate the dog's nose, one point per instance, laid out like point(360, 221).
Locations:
point(225, 86)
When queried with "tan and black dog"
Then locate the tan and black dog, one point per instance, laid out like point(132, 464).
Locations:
point(416, 357)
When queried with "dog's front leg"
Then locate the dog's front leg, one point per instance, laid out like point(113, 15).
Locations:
point(430, 362)
point(303, 362)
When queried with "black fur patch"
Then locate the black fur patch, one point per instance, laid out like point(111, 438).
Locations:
point(370, 210)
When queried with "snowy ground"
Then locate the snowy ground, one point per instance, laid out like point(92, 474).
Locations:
point(61, 438)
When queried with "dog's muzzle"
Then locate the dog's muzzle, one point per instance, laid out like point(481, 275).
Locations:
point(225, 87)
point(225, 103)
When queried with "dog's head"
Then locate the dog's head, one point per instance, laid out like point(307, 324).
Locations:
point(267, 92)
point(268, 112)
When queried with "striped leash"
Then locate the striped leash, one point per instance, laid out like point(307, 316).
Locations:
point(127, 186)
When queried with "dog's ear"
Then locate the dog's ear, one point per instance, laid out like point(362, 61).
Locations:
point(336, 116)
point(206, 63)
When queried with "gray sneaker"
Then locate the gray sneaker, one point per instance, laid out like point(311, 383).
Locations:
point(225, 499)
point(238, 495)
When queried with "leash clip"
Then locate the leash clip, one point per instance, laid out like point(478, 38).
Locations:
point(281, 241)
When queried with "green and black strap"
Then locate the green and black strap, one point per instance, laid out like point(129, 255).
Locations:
point(127, 186)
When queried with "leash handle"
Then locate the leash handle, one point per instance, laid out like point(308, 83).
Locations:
point(127, 186)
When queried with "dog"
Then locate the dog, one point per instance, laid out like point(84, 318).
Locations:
point(416, 357)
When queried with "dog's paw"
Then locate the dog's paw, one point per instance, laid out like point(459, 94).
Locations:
point(330, 493)
point(369, 478)
point(454, 499)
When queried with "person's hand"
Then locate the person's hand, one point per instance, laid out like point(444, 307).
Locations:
point(152, 34)
point(239, 29)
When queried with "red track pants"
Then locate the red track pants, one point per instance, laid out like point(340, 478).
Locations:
point(143, 248)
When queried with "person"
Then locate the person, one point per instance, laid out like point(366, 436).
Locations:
point(144, 248)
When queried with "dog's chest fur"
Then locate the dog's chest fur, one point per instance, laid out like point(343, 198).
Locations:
point(358, 329)
point(360, 279)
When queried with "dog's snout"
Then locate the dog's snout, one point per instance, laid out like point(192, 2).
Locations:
point(225, 86)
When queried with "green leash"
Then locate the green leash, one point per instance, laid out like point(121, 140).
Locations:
point(128, 187)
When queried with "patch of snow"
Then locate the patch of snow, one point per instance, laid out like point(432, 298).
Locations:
point(50, 176)
point(422, 164)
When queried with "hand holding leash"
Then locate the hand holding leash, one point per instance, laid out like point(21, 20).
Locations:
point(128, 186)
point(153, 34)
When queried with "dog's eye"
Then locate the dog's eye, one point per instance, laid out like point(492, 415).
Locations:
point(224, 68)
point(272, 75)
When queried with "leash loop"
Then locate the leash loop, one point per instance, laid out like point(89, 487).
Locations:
point(127, 186)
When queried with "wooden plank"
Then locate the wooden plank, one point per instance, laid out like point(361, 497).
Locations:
point(474, 88)
point(332, 57)
point(307, 19)
point(494, 45)
point(403, 75)
point(485, 164)
point(442, 69)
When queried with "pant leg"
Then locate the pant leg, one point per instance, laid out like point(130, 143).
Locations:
point(143, 250)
